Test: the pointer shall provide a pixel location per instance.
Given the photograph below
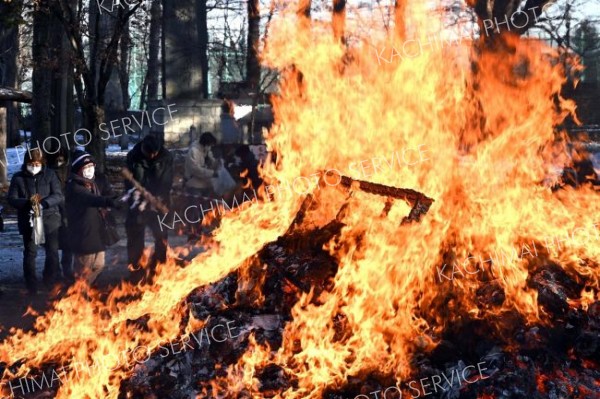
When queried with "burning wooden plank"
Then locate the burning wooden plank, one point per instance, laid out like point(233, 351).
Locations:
point(419, 202)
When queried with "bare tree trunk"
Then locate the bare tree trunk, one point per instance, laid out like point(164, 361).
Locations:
point(202, 26)
point(252, 63)
point(67, 97)
point(124, 63)
point(304, 8)
point(61, 110)
point(339, 19)
point(9, 53)
point(9, 50)
point(92, 78)
point(93, 116)
point(93, 106)
point(3, 161)
point(144, 92)
point(497, 17)
point(153, 50)
point(567, 34)
point(163, 50)
point(400, 19)
point(13, 136)
point(42, 75)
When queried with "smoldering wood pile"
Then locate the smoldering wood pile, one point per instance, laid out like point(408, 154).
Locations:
point(557, 359)
point(260, 297)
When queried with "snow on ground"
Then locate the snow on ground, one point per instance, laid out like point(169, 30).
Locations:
point(11, 253)
point(115, 150)
point(14, 160)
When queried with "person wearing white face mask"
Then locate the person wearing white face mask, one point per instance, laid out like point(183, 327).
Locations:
point(37, 187)
point(88, 198)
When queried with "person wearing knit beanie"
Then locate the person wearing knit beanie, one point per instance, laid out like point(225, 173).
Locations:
point(88, 198)
point(80, 160)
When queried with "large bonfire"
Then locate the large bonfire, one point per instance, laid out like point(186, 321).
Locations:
point(475, 129)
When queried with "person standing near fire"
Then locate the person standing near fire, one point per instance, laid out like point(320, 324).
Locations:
point(231, 133)
point(36, 191)
point(88, 197)
point(59, 163)
point(230, 129)
point(201, 166)
point(199, 171)
point(151, 164)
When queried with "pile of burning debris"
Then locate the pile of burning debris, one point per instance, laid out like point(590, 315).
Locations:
point(555, 360)
point(251, 306)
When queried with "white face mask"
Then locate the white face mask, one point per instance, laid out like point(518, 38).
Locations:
point(34, 170)
point(89, 172)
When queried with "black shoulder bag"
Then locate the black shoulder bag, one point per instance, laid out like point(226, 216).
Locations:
point(110, 236)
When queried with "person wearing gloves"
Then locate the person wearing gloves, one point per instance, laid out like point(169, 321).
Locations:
point(87, 198)
point(201, 166)
point(151, 165)
point(36, 189)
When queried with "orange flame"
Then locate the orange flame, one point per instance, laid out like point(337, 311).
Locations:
point(339, 106)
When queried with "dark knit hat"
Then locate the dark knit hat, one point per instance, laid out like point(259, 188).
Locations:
point(151, 144)
point(207, 139)
point(80, 159)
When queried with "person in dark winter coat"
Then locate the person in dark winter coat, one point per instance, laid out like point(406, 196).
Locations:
point(152, 166)
point(87, 197)
point(60, 164)
point(35, 184)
